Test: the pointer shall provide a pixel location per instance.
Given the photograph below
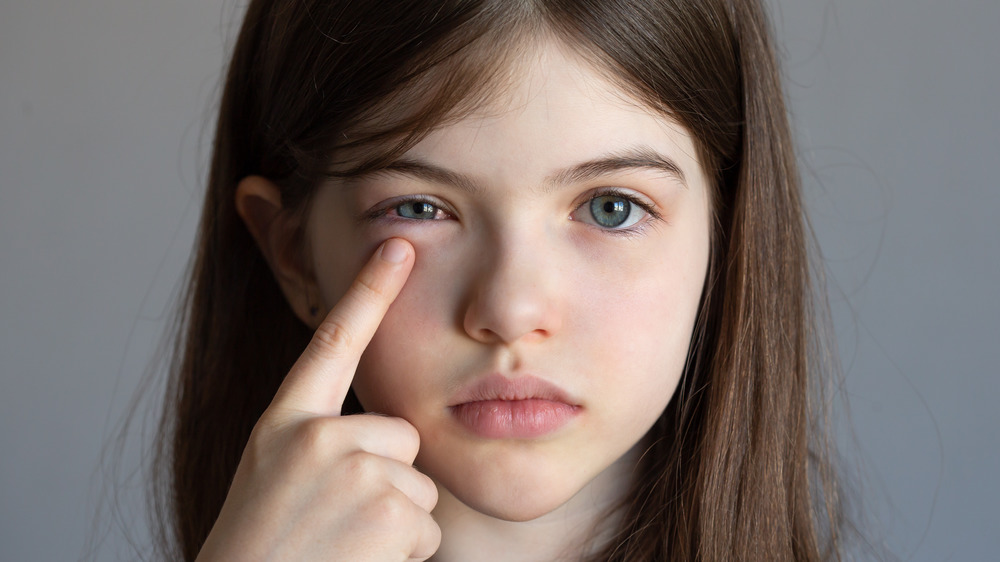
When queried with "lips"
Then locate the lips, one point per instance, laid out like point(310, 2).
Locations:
point(526, 407)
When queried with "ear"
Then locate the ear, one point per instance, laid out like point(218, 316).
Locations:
point(276, 231)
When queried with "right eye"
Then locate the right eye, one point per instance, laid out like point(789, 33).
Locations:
point(420, 210)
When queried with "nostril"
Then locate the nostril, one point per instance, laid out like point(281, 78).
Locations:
point(509, 321)
point(488, 336)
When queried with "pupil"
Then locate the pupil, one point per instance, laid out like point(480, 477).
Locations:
point(418, 208)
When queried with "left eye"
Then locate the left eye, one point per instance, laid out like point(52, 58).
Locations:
point(610, 211)
point(419, 210)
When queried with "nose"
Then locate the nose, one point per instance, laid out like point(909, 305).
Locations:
point(514, 297)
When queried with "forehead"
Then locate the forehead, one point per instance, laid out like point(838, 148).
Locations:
point(556, 111)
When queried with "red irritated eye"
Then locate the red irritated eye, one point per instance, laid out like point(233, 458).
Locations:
point(410, 208)
point(419, 210)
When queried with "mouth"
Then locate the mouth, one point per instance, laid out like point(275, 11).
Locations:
point(526, 407)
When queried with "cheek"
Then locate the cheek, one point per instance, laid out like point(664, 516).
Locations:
point(403, 363)
point(653, 290)
point(641, 326)
point(638, 319)
point(426, 303)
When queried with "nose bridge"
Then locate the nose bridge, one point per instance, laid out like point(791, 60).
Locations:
point(514, 295)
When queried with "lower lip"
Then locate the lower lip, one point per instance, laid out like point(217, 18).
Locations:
point(514, 419)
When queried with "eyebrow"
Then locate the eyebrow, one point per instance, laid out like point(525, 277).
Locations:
point(633, 159)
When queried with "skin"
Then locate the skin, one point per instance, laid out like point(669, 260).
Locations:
point(513, 276)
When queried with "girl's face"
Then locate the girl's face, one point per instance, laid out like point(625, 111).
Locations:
point(562, 241)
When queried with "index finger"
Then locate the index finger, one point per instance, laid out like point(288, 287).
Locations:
point(319, 380)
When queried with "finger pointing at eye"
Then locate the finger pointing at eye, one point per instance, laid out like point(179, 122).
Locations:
point(347, 481)
point(320, 379)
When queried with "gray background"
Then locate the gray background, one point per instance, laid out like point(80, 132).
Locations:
point(103, 105)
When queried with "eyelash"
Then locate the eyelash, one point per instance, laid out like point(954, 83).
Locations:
point(383, 210)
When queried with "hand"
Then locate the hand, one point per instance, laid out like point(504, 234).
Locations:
point(313, 485)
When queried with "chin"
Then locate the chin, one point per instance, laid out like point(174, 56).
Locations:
point(511, 493)
point(511, 504)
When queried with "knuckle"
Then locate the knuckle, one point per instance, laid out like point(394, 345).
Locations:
point(309, 444)
point(432, 491)
point(404, 434)
point(411, 443)
point(332, 337)
point(256, 452)
point(266, 437)
point(432, 537)
point(311, 439)
point(408, 433)
point(392, 509)
point(426, 541)
point(395, 437)
point(367, 288)
point(362, 469)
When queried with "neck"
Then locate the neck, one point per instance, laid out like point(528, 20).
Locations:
point(568, 533)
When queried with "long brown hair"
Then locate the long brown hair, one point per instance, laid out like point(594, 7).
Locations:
point(735, 471)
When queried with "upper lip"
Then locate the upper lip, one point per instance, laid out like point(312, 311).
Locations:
point(496, 386)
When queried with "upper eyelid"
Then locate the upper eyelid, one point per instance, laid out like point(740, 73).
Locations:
point(419, 198)
point(616, 190)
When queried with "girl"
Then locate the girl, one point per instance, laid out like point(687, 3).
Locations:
point(556, 244)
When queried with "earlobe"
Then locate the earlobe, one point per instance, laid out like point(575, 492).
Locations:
point(276, 231)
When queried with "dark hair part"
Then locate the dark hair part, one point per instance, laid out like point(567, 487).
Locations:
point(315, 89)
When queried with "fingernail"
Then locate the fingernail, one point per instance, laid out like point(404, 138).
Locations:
point(394, 251)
